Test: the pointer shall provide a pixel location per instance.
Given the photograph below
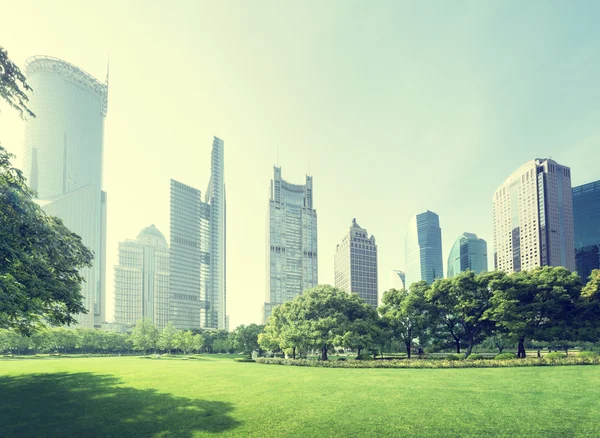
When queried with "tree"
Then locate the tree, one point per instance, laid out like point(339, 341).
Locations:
point(405, 313)
point(13, 86)
point(443, 323)
point(166, 341)
point(245, 338)
point(591, 291)
point(198, 341)
point(184, 341)
point(144, 335)
point(539, 304)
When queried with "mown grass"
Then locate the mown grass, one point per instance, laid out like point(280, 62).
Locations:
point(128, 396)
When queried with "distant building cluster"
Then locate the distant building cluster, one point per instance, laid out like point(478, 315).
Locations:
point(538, 220)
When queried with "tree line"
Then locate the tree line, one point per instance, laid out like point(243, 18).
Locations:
point(545, 305)
point(144, 337)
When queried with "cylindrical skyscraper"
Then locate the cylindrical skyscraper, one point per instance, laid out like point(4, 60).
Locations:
point(63, 161)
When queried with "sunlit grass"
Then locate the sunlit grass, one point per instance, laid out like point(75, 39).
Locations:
point(128, 396)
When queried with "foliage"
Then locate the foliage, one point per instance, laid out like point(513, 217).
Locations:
point(245, 338)
point(475, 356)
point(145, 335)
point(555, 355)
point(184, 340)
point(505, 356)
point(40, 260)
point(587, 354)
point(166, 341)
point(406, 314)
point(455, 357)
point(243, 359)
point(591, 291)
point(13, 86)
point(422, 363)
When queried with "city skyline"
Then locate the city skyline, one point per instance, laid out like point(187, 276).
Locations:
point(393, 138)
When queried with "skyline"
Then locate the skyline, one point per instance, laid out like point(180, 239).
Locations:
point(364, 93)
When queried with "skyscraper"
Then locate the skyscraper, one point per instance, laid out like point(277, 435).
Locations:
point(142, 279)
point(586, 221)
point(198, 255)
point(398, 280)
point(468, 252)
point(63, 162)
point(291, 241)
point(533, 218)
point(423, 248)
point(355, 264)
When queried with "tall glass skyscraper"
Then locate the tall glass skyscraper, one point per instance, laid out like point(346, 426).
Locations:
point(63, 162)
point(533, 218)
point(423, 248)
point(198, 256)
point(142, 279)
point(586, 221)
point(398, 280)
point(291, 241)
point(355, 264)
point(468, 253)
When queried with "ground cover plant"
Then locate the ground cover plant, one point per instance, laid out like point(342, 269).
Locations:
point(128, 396)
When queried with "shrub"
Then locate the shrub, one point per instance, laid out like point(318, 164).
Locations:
point(364, 356)
point(243, 359)
point(341, 358)
point(587, 354)
point(455, 357)
point(555, 355)
point(505, 356)
point(475, 356)
point(418, 363)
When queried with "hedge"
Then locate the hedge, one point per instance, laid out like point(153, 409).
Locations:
point(420, 363)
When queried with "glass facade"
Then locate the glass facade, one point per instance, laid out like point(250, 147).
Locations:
point(423, 248)
point(142, 279)
point(63, 151)
point(292, 264)
point(468, 253)
point(355, 264)
point(586, 220)
point(533, 218)
point(398, 280)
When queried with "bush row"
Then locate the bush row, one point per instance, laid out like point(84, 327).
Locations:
point(423, 363)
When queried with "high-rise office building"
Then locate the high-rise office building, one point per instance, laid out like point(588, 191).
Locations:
point(533, 218)
point(63, 162)
point(423, 248)
point(586, 222)
point(198, 256)
point(355, 264)
point(142, 279)
point(291, 241)
point(468, 253)
point(398, 280)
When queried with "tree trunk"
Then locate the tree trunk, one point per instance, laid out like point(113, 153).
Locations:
point(470, 347)
point(359, 350)
point(521, 349)
point(407, 349)
point(294, 352)
point(457, 342)
point(324, 353)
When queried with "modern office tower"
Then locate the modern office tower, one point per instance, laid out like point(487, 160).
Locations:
point(291, 241)
point(586, 222)
point(63, 162)
point(355, 263)
point(423, 248)
point(142, 279)
point(198, 257)
point(468, 253)
point(398, 280)
point(533, 218)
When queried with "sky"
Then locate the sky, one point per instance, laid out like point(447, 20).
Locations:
point(394, 108)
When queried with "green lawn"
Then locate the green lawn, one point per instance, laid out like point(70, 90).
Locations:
point(128, 396)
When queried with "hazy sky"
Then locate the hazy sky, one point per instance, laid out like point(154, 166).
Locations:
point(397, 107)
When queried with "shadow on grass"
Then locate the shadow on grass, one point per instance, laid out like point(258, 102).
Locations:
point(90, 405)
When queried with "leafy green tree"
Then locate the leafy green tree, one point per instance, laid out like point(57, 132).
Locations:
point(406, 313)
point(221, 346)
point(86, 339)
point(588, 314)
point(591, 291)
point(166, 341)
point(184, 340)
point(144, 335)
point(284, 330)
point(245, 338)
point(198, 341)
point(539, 304)
point(444, 325)
point(13, 85)
point(65, 339)
point(465, 301)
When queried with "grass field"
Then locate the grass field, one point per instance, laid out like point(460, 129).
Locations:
point(128, 396)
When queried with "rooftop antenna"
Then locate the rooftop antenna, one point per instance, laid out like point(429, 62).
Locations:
point(277, 159)
point(107, 68)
